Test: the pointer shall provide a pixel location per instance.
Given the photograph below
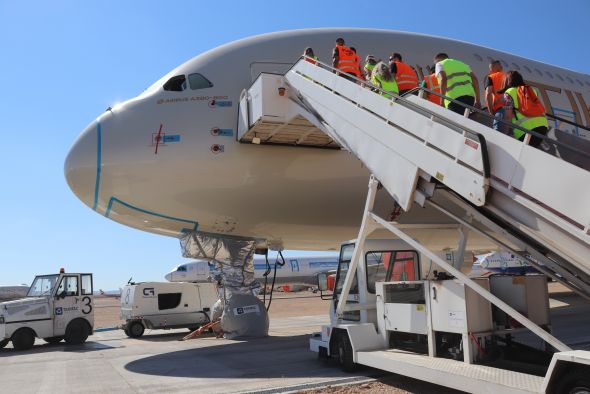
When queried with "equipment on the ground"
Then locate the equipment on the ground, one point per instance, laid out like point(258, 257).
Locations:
point(165, 305)
point(57, 307)
point(444, 328)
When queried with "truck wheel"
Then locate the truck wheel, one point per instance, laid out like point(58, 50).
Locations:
point(135, 329)
point(3, 343)
point(76, 332)
point(53, 339)
point(323, 353)
point(23, 339)
point(576, 382)
point(345, 358)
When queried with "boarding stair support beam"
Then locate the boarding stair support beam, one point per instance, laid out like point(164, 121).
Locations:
point(555, 216)
point(371, 222)
point(554, 219)
point(478, 220)
point(396, 155)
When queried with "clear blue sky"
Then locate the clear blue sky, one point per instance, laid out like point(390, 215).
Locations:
point(64, 62)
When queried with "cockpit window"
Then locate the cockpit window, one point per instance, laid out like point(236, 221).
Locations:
point(182, 268)
point(197, 81)
point(176, 84)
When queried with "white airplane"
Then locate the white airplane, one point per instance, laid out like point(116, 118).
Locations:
point(501, 263)
point(297, 270)
point(168, 160)
point(8, 293)
point(109, 293)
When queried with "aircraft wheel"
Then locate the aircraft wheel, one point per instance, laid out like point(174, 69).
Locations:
point(135, 329)
point(77, 332)
point(576, 382)
point(345, 358)
point(53, 339)
point(3, 343)
point(23, 339)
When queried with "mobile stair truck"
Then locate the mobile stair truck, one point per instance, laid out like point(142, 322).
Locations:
point(57, 306)
point(458, 177)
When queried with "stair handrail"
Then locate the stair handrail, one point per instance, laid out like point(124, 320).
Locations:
point(401, 99)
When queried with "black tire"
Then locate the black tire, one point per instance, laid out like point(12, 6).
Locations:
point(23, 339)
point(135, 329)
point(344, 354)
point(53, 339)
point(323, 353)
point(3, 343)
point(77, 332)
point(575, 382)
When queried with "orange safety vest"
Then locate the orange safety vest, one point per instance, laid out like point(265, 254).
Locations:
point(346, 59)
point(432, 84)
point(497, 82)
point(357, 67)
point(405, 77)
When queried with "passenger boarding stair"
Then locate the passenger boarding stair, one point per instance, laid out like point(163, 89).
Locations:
point(517, 196)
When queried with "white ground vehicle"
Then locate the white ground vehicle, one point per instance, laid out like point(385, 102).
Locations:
point(401, 316)
point(165, 305)
point(57, 306)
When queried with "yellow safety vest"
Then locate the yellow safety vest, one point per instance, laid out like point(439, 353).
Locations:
point(458, 79)
point(388, 86)
point(521, 120)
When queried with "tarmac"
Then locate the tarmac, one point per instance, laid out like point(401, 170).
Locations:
point(159, 362)
point(155, 363)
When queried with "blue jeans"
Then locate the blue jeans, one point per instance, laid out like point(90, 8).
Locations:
point(498, 116)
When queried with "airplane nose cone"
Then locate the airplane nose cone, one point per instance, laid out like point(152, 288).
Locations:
point(82, 165)
point(168, 277)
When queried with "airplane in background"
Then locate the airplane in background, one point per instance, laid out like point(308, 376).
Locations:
point(296, 271)
point(8, 293)
point(168, 161)
point(109, 293)
point(501, 263)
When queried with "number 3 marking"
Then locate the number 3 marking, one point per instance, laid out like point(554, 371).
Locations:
point(87, 304)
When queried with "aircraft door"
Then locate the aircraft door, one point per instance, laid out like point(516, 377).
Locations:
point(268, 67)
point(294, 265)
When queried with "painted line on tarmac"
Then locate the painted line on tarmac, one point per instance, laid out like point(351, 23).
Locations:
point(106, 329)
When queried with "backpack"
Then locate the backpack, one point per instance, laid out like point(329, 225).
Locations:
point(529, 103)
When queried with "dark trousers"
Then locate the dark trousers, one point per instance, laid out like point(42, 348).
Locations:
point(455, 107)
point(536, 141)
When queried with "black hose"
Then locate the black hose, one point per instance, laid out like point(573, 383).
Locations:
point(274, 277)
point(266, 272)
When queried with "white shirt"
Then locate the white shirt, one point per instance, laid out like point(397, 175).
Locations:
point(438, 68)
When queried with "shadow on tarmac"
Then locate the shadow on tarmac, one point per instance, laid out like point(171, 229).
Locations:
point(89, 346)
point(270, 357)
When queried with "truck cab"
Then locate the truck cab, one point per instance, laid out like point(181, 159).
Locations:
point(57, 307)
point(383, 260)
